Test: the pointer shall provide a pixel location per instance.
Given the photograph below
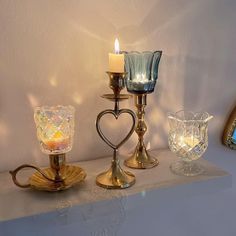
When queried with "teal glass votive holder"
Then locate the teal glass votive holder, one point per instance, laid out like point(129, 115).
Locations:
point(142, 71)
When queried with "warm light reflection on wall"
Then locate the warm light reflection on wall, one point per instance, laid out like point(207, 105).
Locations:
point(148, 146)
point(32, 100)
point(77, 98)
point(53, 81)
point(4, 132)
point(155, 117)
point(88, 32)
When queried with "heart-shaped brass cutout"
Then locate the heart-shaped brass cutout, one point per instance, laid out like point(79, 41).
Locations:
point(116, 114)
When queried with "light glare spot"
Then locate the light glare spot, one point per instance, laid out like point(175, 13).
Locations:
point(53, 81)
point(143, 193)
point(4, 132)
point(32, 100)
point(77, 98)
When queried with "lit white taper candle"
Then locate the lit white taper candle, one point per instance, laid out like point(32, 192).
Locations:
point(116, 60)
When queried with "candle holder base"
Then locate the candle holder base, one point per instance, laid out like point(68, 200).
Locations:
point(141, 159)
point(184, 168)
point(57, 177)
point(72, 175)
point(115, 177)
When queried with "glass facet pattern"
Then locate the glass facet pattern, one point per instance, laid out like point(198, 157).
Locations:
point(142, 71)
point(188, 137)
point(55, 128)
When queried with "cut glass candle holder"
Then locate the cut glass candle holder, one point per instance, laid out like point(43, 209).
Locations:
point(188, 139)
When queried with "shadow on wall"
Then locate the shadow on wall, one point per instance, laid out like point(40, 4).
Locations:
point(160, 15)
point(210, 64)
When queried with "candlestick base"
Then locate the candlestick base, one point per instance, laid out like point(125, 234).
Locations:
point(57, 177)
point(186, 168)
point(141, 159)
point(71, 175)
point(115, 177)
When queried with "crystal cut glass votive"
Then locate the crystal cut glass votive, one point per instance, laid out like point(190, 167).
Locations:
point(55, 128)
point(142, 71)
point(188, 139)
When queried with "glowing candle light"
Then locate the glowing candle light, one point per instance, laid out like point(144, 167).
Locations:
point(116, 60)
point(188, 142)
point(55, 128)
point(57, 142)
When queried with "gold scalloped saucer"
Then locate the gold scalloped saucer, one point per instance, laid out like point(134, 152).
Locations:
point(72, 175)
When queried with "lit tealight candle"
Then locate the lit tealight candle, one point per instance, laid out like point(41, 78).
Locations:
point(57, 142)
point(188, 142)
point(116, 60)
point(140, 78)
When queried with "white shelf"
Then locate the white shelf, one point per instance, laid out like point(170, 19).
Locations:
point(16, 203)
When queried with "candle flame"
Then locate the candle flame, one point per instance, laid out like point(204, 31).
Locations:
point(117, 46)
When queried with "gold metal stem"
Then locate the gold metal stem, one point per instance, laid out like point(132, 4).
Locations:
point(115, 177)
point(57, 163)
point(141, 158)
point(117, 82)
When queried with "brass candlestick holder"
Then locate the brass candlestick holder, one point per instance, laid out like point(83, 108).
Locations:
point(58, 176)
point(55, 131)
point(142, 69)
point(141, 159)
point(115, 177)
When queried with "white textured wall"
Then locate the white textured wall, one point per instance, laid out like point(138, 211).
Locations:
point(56, 52)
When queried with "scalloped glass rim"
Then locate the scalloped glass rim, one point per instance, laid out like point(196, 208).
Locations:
point(144, 64)
point(137, 52)
point(54, 108)
point(201, 116)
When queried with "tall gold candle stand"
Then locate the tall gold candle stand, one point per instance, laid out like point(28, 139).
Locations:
point(141, 159)
point(142, 74)
point(115, 177)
